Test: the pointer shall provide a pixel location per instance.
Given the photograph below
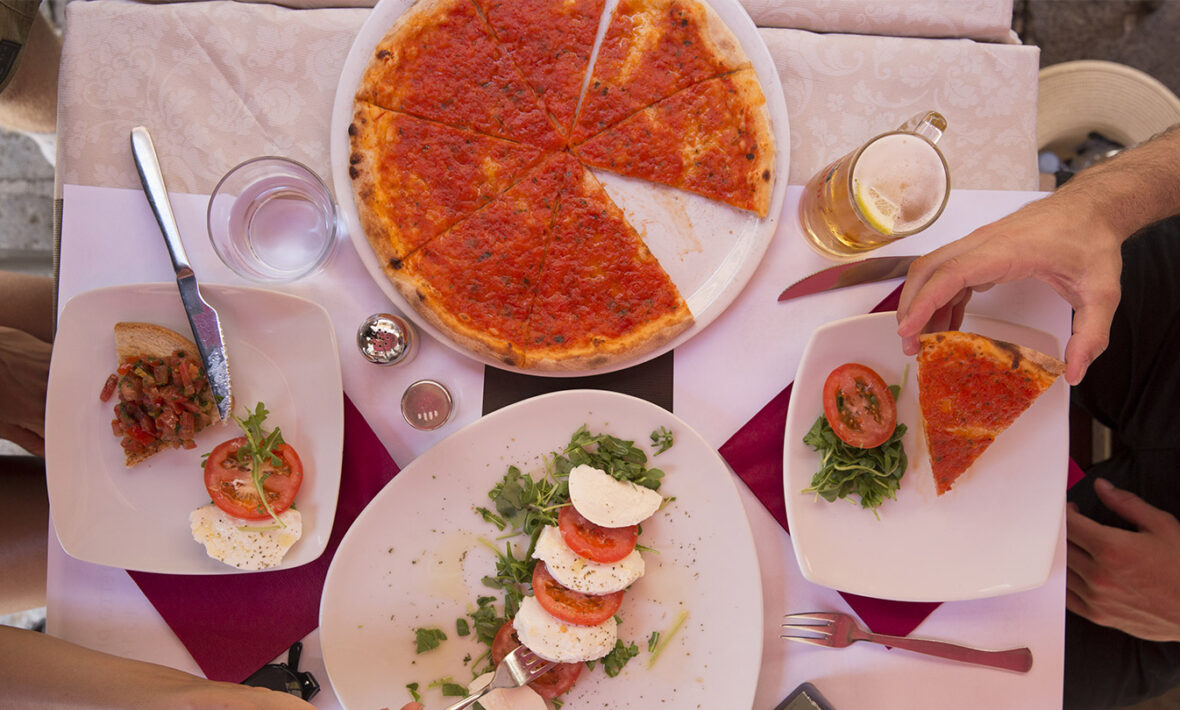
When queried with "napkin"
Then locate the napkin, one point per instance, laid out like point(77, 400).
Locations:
point(755, 453)
point(234, 624)
point(985, 20)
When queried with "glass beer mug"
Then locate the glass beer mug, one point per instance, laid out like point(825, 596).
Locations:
point(893, 186)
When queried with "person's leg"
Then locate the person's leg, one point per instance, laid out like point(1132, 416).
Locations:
point(29, 102)
point(1133, 388)
point(24, 531)
point(26, 303)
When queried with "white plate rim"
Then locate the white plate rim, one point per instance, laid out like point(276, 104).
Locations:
point(376, 520)
point(707, 302)
point(159, 303)
point(1026, 566)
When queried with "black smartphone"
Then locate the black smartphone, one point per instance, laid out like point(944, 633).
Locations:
point(805, 697)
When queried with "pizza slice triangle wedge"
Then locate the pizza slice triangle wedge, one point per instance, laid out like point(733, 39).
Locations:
point(442, 62)
point(603, 297)
point(477, 280)
point(651, 50)
point(414, 178)
point(551, 43)
point(970, 389)
point(713, 138)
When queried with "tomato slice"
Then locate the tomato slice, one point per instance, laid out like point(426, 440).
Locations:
point(595, 542)
point(231, 488)
point(570, 606)
point(859, 406)
point(552, 682)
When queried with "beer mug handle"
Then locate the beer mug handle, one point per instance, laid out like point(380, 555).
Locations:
point(929, 125)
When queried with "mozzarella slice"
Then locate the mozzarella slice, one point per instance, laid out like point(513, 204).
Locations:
point(575, 572)
point(555, 640)
point(522, 698)
point(609, 502)
point(245, 544)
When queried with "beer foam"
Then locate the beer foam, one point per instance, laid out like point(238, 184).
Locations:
point(903, 175)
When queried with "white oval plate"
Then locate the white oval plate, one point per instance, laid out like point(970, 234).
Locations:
point(994, 533)
point(709, 249)
point(281, 351)
point(413, 559)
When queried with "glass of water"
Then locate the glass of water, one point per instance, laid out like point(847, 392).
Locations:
point(272, 220)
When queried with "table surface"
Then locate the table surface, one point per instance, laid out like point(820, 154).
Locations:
point(722, 377)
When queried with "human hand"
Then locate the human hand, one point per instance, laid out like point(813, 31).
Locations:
point(24, 376)
point(1128, 580)
point(1057, 240)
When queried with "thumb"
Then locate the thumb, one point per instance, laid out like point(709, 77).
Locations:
point(1129, 506)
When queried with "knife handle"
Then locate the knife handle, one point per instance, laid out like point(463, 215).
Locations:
point(152, 177)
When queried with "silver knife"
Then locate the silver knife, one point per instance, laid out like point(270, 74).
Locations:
point(877, 268)
point(201, 316)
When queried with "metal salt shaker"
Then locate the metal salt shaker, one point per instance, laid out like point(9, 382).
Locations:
point(387, 339)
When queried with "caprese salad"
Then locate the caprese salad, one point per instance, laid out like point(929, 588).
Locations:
point(252, 481)
point(582, 521)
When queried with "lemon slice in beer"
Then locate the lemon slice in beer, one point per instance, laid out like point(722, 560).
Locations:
point(880, 212)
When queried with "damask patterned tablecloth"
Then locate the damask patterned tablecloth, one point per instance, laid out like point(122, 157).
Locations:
point(219, 82)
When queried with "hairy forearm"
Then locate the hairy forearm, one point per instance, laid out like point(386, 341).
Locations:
point(1136, 188)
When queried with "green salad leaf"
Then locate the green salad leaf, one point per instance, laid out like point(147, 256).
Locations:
point(873, 475)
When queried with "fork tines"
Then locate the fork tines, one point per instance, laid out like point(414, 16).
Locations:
point(800, 627)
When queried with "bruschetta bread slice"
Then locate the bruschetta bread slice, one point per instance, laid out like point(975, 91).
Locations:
point(163, 393)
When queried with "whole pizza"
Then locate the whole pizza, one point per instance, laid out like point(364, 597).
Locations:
point(475, 129)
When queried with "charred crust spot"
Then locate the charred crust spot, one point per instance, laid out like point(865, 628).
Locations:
point(384, 54)
point(766, 176)
point(353, 172)
point(749, 156)
point(396, 265)
point(355, 158)
point(352, 128)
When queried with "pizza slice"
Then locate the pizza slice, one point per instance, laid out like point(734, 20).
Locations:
point(603, 297)
point(551, 43)
point(440, 61)
point(651, 49)
point(971, 388)
point(712, 138)
point(414, 178)
point(476, 281)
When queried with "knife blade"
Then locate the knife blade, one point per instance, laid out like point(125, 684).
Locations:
point(877, 268)
point(202, 318)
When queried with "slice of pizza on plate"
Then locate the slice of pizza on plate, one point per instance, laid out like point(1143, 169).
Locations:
point(551, 42)
point(970, 389)
point(652, 49)
point(603, 297)
point(440, 61)
point(476, 282)
point(712, 138)
point(413, 178)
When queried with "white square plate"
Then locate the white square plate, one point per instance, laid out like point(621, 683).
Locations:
point(994, 533)
point(281, 351)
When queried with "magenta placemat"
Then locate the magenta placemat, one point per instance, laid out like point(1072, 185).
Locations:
point(236, 623)
point(755, 452)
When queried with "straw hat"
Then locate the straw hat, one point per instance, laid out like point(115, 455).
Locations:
point(1120, 102)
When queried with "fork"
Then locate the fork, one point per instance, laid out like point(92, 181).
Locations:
point(824, 628)
point(519, 667)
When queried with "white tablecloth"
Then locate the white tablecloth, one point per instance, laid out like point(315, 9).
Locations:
point(746, 356)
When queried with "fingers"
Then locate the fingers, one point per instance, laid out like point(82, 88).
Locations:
point(1131, 507)
point(1091, 333)
point(28, 440)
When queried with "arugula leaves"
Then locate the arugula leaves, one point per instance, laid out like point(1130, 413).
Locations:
point(618, 457)
point(873, 475)
point(428, 639)
point(259, 449)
